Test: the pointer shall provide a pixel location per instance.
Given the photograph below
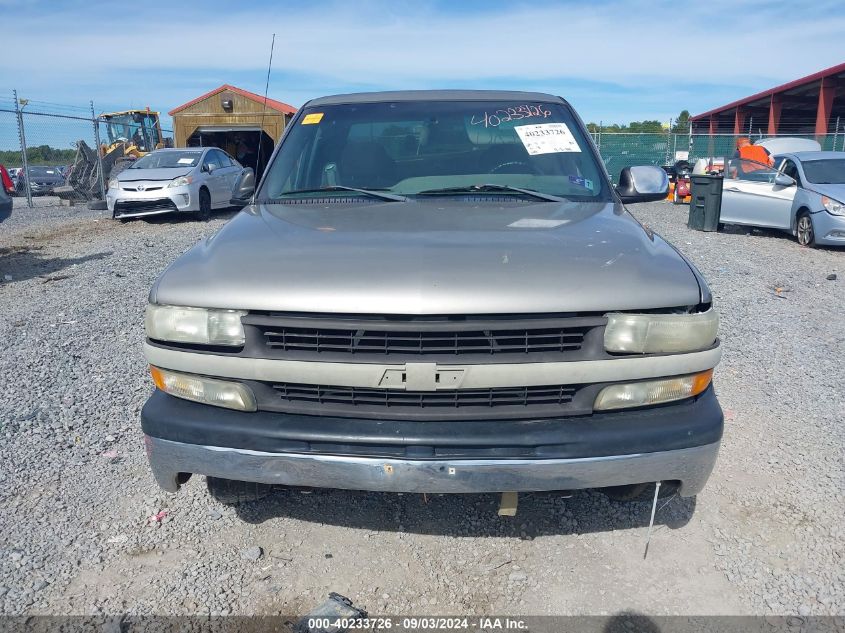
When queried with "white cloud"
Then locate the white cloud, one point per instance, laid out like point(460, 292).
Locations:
point(637, 44)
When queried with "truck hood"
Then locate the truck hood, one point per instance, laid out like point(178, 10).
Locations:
point(162, 173)
point(435, 256)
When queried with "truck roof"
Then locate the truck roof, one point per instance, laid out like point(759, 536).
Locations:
point(434, 95)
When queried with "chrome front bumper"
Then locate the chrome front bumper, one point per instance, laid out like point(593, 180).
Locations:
point(690, 466)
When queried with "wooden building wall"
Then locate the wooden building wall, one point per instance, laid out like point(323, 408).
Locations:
point(210, 113)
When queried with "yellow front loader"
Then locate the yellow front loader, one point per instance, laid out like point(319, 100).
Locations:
point(130, 134)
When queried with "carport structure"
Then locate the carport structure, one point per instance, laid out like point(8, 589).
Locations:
point(227, 116)
point(811, 105)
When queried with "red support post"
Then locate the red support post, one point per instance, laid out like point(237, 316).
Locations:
point(775, 107)
point(827, 90)
point(714, 125)
point(739, 121)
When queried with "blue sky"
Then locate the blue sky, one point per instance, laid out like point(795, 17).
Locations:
point(615, 61)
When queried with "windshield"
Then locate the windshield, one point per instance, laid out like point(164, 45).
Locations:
point(830, 171)
point(44, 171)
point(136, 128)
point(426, 146)
point(165, 160)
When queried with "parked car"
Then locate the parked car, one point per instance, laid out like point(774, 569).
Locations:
point(6, 181)
point(174, 180)
point(435, 292)
point(42, 180)
point(803, 194)
point(5, 204)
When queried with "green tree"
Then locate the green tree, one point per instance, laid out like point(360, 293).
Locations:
point(39, 155)
point(681, 125)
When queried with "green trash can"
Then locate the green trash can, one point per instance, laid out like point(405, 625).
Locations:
point(705, 205)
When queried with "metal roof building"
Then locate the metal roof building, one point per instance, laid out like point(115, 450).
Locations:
point(812, 105)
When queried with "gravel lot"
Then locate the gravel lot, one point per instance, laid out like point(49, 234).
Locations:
point(765, 537)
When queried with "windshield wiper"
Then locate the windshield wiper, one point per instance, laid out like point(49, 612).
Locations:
point(381, 195)
point(490, 187)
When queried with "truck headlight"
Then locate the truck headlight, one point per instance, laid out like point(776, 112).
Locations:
point(833, 206)
point(650, 392)
point(219, 393)
point(181, 181)
point(194, 325)
point(660, 333)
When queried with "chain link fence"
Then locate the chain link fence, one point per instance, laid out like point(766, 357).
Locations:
point(58, 154)
point(60, 147)
point(621, 149)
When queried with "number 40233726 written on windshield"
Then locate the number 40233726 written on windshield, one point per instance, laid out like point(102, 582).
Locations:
point(516, 113)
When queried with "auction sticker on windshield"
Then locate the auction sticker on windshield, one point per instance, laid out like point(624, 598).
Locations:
point(547, 138)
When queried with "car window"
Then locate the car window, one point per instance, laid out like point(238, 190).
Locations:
point(223, 158)
point(167, 160)
point(749, 170)
point(828, 171)
point(412, 146)
point(211, 159)
point(790, 169)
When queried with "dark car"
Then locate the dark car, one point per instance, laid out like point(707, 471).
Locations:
point(5, 204)
point(42, 181)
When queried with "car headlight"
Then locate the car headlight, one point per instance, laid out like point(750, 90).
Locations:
point(113, 183)
point(220, 393)
point(194, 325)
point(833, 206)
point(181, 181)
point(660, 333)
point(651, 392)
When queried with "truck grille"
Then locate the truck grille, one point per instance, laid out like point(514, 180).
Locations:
point(489, 403)
point(304, 337)
point(492, 397)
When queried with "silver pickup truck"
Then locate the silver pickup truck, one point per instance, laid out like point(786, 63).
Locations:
point(434, 292)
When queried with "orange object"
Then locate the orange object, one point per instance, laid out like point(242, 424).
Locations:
point(701, 382)
point(757, 154)
point(158, 377)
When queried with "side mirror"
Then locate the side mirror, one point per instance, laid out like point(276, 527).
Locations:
point(208, 167)
point(782, 180)
point(642, 183)
point(243, 189)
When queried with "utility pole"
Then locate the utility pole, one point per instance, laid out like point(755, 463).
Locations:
point(689, 131)
point(668, 143)
point(102, 177)
point(22, 138)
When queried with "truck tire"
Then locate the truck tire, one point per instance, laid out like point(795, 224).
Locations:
point(231, 493)
point(640, 492)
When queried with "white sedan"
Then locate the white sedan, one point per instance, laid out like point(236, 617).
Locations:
point(194, 180)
